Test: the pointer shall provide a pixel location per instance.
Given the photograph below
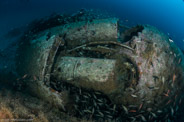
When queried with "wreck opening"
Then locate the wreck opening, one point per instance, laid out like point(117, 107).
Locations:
point(129, 33)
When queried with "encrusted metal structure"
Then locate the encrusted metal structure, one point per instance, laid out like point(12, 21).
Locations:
point(136, 74)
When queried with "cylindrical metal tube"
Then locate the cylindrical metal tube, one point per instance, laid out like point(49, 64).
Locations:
point(97, 30)
point(88, 70)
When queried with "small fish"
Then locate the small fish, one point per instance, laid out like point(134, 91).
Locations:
point(87, 111)
point(150, 117)
point(148, 101)
point(101, 114)
point(180, 101)
point(24, 76)
point(174, 55)
point(131, 89)
point(109, 116)
point(176, 108)
point(99, 100)
point(127, 64)
point(114, 107)
point(80, 53)
point(133, 95)
point(125, 109)
point(172, 111)
point(168, 102)
point(88, 94)
point(133, 119)
point(98, 115)
point(167, 94)
point(138, 41)
point(107, 112)
point(75, 106)
point(174, 78)
point(132, 111)
point(143, 118)
point(52, 90)
point(98, 93)
point(132, 106)
point(85, 96)
point(94, 96)
point(171, 40)
point(159, 111)
point(93, 110)
point(69, 79)
point(77, 98)
point(156, 88)
point(84, 101)
point(179, 61)
point(163, 79)
point(140, 106)
point(94, 103)
point(153, 114)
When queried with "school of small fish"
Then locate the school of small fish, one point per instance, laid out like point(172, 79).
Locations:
point(94, 105)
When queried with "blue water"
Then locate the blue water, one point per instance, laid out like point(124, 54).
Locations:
point(166, 15)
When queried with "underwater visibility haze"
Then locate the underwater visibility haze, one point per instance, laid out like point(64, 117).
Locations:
point(91, 60)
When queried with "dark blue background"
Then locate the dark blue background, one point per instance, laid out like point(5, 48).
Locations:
point(166, 15)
